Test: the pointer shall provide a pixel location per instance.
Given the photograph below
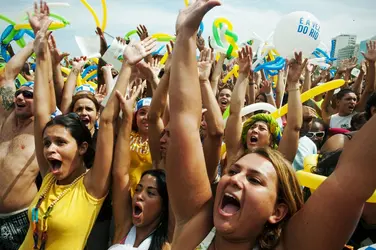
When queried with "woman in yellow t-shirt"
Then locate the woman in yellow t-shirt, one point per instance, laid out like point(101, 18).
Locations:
point(65, 208)
point(139, 143)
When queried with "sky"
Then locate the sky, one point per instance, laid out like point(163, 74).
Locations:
point(248, 17)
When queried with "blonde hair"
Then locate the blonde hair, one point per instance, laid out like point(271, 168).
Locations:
point(288, 192)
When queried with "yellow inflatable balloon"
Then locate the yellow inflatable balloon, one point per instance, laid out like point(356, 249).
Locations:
point(186, 2)
point(161, 37)
point(310, 161)
point(104, 20)
point(310, 94)
point(234, 71)
point(313, 181)
point(26, 26)
point(96, 19)
point(164, 59)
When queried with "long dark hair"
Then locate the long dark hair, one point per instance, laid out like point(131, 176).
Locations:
point(79, 132)
point(160, 235)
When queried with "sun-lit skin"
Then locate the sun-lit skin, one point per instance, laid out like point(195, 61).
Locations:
point(24, 107)
point(87, 112)
point(252, 184)
point(258, 135)
point(142, 120)
point(64, 156)
point(224, 99)
point(146, 203)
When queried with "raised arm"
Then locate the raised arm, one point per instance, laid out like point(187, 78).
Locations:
point(267, 88)
point(70, 85)
point(234, 122)
point(309, 69)
point(213, 116)
point(56, 58)
point(121, 198)
point(331, 214)
point(280, 90)
point(217, 73)
point(41, 91)
point(157, 108)
point(99, 176)
point(185, 158)
point(357, 86)
point(370, 56)
point(290, 138)
point(14, 67)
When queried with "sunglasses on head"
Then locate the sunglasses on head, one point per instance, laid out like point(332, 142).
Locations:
point(26, 93)
point(320, 134)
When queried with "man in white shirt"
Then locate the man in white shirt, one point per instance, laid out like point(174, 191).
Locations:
point(306, 146)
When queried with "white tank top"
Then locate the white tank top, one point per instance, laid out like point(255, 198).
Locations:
point(344, 122)
point(129, 242)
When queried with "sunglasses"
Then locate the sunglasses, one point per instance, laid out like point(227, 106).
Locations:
point(316, 134)
point(26, 93)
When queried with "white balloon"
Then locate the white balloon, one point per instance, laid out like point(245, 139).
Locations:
point(297, 31)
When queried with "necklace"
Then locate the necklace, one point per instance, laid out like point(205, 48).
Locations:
point(137, 145)
point(35, 210)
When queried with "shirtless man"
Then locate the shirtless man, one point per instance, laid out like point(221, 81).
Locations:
point(18, 165)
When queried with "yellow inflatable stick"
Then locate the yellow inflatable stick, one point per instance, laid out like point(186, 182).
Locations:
point(53, 26)
point(234, 71)
point(310, 94)
point(161, 37)
point(164, 59)
point(104, 20)
point(313, 181)
point(87, 5)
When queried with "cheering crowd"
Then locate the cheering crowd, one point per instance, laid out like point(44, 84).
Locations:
point(146, 161)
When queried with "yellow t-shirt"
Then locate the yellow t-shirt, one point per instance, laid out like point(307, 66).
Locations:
point(71, 219)
point(140, 160)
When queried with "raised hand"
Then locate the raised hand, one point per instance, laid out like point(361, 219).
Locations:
point(371, 52)
point(200, 43)
point(363, 67)
point(169, 47)
point(135, 52)
point(127, 104)
point(41, 39)
point(351, 64)
point(107, 67)
point(79, 62)
point(310, 67)
point(56, 55)
point(245, 60)
point(189, 19)
point(204, 64)
point(101, 93)
point(343, 66)
point(149, 70)
point(266, 87)
point(40, 16)
point(142, 32)
point(103, 42)
point(296, 66)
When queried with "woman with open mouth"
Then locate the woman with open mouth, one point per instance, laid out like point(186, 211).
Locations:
point(141, 221)
point(65, 208)
point(262, 130)
point(258, 203)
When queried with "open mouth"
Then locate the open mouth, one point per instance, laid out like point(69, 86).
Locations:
point(21, 105)
point(230, 205)
point(137, 211)
point(224, 102)
point(85, 120)
point(254, 139)
point(55, 165)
